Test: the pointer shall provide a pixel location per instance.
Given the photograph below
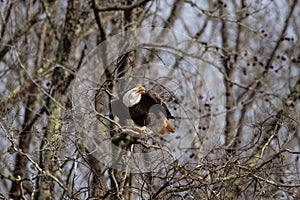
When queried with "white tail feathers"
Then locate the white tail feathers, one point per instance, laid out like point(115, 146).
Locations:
point(168, 127)
point(161, 125)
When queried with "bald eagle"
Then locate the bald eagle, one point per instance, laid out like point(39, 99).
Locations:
point(147, 108)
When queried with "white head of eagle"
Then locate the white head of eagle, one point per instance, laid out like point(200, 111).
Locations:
point(133, 96)
point(147, 108)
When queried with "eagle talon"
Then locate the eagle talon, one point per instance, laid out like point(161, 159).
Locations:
point(143, 129)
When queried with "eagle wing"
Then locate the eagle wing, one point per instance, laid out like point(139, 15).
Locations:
point(156, 99)
point(162, 123)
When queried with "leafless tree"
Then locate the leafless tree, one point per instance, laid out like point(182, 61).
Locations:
point(229, 71)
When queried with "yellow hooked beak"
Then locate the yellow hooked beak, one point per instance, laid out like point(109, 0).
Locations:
point(140, 90)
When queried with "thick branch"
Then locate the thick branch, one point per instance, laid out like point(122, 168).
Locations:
point(121, 7)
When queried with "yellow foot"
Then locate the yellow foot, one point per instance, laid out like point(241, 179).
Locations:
point(141, 128)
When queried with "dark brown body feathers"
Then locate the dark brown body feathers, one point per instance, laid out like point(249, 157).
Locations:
point(151, 103)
